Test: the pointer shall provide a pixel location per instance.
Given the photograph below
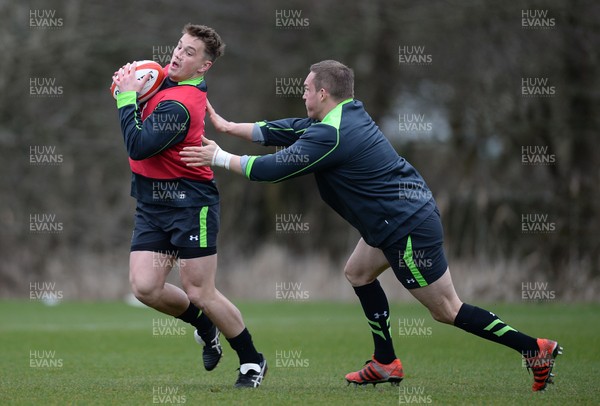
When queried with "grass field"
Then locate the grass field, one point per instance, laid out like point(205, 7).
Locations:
point(115, 354)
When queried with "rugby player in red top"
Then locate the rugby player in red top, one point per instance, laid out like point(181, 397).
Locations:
point(177, 213)
point(360, 175)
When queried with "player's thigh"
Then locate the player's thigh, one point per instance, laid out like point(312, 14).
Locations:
point(194, 231)
point(365, 264)
point(198, 273)
point(148, 270)
point(152, 255)
point(440, 298)
point(418, 259)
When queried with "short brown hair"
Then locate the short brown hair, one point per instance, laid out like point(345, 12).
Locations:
point(214, 47)
point(335, 77)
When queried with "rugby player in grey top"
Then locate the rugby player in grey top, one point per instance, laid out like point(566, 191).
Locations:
point(361, 176)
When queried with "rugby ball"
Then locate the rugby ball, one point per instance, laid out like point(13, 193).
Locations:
point(157, 76)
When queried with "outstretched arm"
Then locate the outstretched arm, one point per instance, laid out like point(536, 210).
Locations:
point(314, 151)
point(274, 133)
point(210, 154)
point(240, 130)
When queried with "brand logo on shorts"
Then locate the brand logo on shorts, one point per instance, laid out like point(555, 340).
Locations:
point(410, 281)
point(193, 238)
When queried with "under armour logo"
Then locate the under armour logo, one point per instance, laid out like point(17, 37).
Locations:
point(377, 315)
point(193, 238)
point(410, 281)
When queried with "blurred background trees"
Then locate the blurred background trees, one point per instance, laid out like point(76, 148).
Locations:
point(478, 127)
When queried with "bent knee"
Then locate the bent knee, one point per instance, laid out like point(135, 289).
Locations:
point(201, 297)
point(145, 289)
point(355, 277)
point(445, 313)
point(144, 292)
point(443, 317)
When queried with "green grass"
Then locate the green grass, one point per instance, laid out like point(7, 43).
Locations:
point(107, 354)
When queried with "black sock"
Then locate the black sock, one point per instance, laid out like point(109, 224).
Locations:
point(487, 325)
point(376, 308)
point(196, 318)
point(242, 344)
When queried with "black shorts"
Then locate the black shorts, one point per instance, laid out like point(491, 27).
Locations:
point(418, 259)
point(184, 232)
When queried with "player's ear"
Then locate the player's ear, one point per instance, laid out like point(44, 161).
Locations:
point(205, 67)
point(323, 94)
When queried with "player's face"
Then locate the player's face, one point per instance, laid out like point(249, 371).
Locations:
point(312, 97)
point(188, 60)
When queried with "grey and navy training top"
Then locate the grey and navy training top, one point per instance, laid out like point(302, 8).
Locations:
point(358, 172)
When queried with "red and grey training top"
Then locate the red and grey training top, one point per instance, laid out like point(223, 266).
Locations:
point(358, 172)
point(155, 133)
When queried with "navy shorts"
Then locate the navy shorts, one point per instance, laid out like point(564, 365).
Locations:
point(184, 232)
point(418, 259)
